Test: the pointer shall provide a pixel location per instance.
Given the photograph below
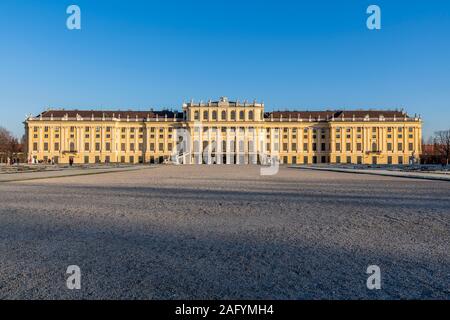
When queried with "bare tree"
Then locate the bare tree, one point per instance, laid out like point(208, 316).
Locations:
point(442, 144)
point(9, 145)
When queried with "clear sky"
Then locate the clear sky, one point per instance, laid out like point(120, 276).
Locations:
point(290, 54)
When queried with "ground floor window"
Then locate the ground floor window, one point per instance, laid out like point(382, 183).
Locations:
point(86, 159)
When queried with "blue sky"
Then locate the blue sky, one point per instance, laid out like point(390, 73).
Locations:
point(290, 54)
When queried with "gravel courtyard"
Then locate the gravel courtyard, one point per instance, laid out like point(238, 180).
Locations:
point(225, 232)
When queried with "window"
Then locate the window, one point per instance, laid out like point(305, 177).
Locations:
point(108, 146)
point(161, 147)
point(56, 146)
point(410, 147)
point(349, 159)
point(323, 147)
point(294, 147)
point(359, 160)
point(86, 159)
point(123, 147)
point(338, 146)
point(132, 147)
point(72, 147)
point(338, 159)
point(305, 159)
point(86, 146)
point(285, 146)
point(348, 146)
point(97, 146)
point(374, 146)
point(400, 160)
point(224, 115)
point(389, 160)
point(359, 146)
point(169, 146)
point(389, 146)
point(196, 116)
point(233, 115)
point(400, 146)
point(241, 115)
point(250, 115)
point(305, 147)
point(152, 147)
point(205, 115)
point(214, 115)
point(141, 146)
point(314, 146)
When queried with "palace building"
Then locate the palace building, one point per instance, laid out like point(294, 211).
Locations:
point(224, 132)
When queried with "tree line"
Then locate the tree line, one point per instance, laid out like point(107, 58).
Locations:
point(437, 148)
point(11, 148)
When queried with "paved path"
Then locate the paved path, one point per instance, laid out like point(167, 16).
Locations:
point(210, 232)
point(380, 172)
point(67, 172)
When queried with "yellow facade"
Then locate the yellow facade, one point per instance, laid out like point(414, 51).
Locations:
point(224, 132)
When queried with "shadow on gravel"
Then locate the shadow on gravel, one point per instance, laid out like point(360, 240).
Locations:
point(326, 196)
point(163, 264)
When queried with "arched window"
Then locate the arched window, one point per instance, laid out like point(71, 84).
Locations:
point(196, 115)
point(205, 115)
point(250, 115)
point(214, 115)
point(374, 146)
point(241, 115)
point(224, 115)
point(233, 115)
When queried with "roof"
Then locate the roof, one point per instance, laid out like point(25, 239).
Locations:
point(336, 114)
point(117, 114)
